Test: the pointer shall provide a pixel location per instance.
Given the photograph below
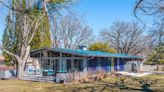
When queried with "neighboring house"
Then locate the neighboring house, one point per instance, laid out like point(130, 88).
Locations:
point(6, 72)
point(63, 63)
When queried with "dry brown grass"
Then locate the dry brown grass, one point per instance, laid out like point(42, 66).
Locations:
point(109, 84)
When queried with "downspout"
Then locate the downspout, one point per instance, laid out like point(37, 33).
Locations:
point(91, 58)
point(88, 60)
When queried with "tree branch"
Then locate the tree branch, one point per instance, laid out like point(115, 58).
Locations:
point(8, 52)
point(135, 10)
point(35, 29)
point(136, 7)
point(11, 8)
point(26, 11)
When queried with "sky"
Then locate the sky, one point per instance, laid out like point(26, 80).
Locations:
point(3, 13)
point(98, 14)
point(101, 14)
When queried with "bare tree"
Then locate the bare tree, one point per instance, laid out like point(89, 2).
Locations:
point(157, 34)
point(28, 24)
point(149, 7)
point(153, 8)
point(125, 37)
point(71, 32)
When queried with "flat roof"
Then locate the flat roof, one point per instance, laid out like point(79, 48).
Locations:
point(90, 53)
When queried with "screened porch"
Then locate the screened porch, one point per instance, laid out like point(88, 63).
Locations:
point(52, 66)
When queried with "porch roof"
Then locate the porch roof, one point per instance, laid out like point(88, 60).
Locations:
point(92, 53)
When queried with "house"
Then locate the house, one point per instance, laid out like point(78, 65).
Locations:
point(63, 63)
point(6, 72)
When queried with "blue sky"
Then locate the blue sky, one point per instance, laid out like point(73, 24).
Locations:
point(102, 13)
point(3, 13)
point(98, 13)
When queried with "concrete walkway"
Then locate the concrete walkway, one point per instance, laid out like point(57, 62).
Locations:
point(158, 72)
point(135, 74)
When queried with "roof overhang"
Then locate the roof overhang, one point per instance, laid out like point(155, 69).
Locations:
point(89, 53)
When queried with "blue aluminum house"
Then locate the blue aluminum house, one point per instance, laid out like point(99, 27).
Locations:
point(59, 62)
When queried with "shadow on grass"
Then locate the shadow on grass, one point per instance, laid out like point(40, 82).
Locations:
point(134, 85)
point(145, 85)
point(119, 85)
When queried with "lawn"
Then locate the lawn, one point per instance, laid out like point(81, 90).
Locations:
point(151, 83)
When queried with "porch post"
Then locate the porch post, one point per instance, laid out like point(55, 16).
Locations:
point(112, 64)
point(118, 65)
point(99, 64)
point(85, 65)
point(60, 62)
point(72, 66)
point(139, 62)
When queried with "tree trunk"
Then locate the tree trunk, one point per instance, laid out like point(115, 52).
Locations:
point(16, 67)
point(20, 71)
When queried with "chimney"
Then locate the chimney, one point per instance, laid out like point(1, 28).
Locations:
point(82, 47)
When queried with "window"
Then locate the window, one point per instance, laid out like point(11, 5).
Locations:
point(41, 54)
point(66, 55)
point(55, 54)
point(78, 64)
point(49, 53)
point(48, 62)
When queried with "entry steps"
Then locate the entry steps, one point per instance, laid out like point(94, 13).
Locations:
point(39, 78)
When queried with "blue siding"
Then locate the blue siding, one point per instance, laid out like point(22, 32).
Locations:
point(121, 65)
point(105, 64)
point(115, 64)
point(93, 65)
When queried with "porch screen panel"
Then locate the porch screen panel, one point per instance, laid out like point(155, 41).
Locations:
point(69, 67)
point(110, 64)
point(57, 65)
point(48, 64)
point(62, 66)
